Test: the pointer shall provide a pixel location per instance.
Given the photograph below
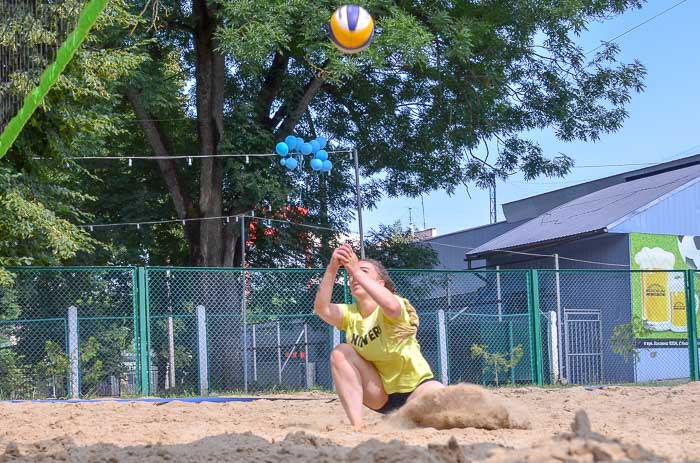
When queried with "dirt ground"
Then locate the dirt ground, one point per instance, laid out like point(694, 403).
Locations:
point(627, 423)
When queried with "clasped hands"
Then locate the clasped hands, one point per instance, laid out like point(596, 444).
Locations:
point(344, 256)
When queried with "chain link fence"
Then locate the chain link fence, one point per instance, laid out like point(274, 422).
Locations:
point(92, 332)
point(619, 326)
point(484, 316)
point(68, 332)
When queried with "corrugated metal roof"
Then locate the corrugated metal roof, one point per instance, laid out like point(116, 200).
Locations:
point(591, 213)
point(451, 247)
point(533, 206)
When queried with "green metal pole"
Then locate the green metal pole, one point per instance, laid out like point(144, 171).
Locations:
point(692, 325)
point(135, 315)
point(88, 17)
point(533, 306)
point(147, 349)
point(143, 332)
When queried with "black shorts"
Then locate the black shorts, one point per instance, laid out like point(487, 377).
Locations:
point(398, 399)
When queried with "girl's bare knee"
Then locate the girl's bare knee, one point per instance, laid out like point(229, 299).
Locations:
point(341, 353)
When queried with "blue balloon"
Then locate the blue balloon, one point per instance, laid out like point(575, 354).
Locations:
point(327, 166)
point(283, 161)
point(292, 163)
point(315, 146)
point(322, 155)
point(300, 142)
point(282, 148)
point(290, 141)
point(306, 149)
point(316, 164)
point(322, 142)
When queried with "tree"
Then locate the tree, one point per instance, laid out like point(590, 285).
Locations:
point(35, 220)
point(42, 196)
point(496, 362)
point(445, 96)
point(396, 248)
point(53, 368)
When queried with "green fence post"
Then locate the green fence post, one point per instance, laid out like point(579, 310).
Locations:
point(143, 332)
point(692, 325)
point(533, 308)
point(135, 315)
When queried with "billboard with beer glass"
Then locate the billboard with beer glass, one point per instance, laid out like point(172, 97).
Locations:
point(658, 291)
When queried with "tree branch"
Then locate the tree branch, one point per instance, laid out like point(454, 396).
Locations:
point(271, 87)
point(310, 92)
point(174, 24)
point(279, 114)
point(184, 205)
point(312, 126)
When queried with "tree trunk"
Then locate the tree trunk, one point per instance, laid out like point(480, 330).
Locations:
point(162, 365)
point(210, 81)
point(232, 245)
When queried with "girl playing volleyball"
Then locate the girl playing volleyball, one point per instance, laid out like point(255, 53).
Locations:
point(380, 365)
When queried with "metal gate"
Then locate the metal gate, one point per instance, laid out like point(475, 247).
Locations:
point(583, 335)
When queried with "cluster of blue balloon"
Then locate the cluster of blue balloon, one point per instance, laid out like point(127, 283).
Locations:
point(293, 144)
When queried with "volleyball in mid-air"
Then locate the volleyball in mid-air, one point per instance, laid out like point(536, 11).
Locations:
point(351, 28)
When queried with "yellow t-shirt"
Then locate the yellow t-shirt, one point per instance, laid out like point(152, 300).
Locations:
point(389, 344)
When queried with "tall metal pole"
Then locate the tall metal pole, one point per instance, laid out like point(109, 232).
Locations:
point(561, 340)
point(359, 203)
point(493, 208)
point(171, 333)
point(498, 294)
point(243, 308)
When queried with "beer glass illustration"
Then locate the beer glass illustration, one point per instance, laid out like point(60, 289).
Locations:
point(676, 289)
point(656, 301)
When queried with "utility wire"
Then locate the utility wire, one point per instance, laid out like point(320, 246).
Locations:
point(605, 42)
point(237, 217)
point(528, 254)
point(251, 215)
point(178, 156)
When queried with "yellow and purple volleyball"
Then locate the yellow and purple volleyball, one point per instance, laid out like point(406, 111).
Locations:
point(351, 28)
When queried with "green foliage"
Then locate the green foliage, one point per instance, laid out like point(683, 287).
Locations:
point(9, 308)
point(396, 248)
point(52, 369)
point(42, 196)
point(32, 232)
point(12, 373)
point(55, 362)
point(623, 340)
point(442, 81)
point(449, 93)
point(91, 364)
point(103, 355)
point(496, 362)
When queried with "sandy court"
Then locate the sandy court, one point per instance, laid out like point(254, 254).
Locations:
point(663, 420)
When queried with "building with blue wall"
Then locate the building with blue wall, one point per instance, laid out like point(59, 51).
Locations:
point(613, 223)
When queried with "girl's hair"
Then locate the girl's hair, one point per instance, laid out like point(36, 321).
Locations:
point(404, 329)
point(383, 274)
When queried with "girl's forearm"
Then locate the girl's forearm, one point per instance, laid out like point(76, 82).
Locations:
point(325, 291)
point(382, 296)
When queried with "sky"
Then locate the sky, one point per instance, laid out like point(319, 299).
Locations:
point(663, 123)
